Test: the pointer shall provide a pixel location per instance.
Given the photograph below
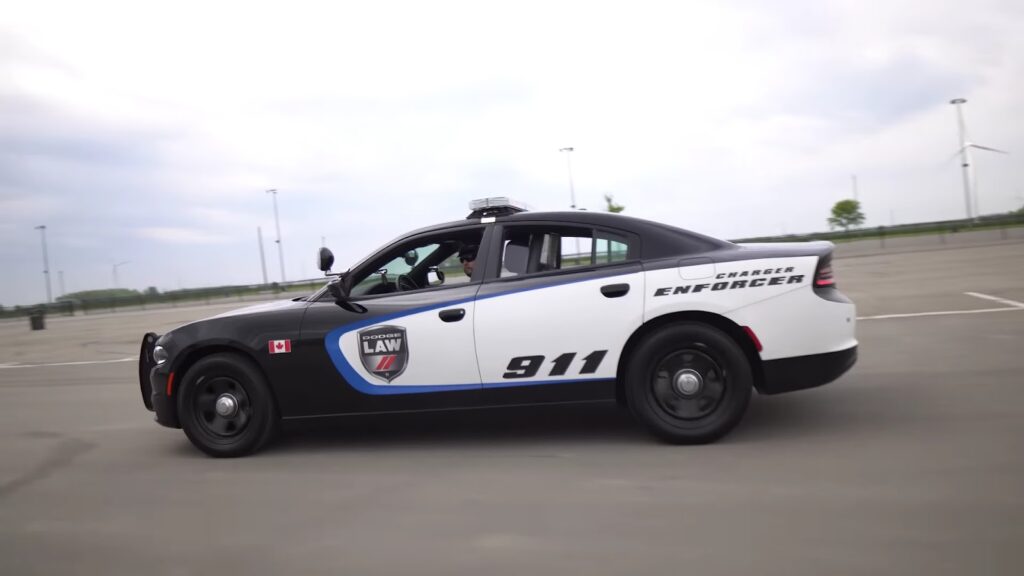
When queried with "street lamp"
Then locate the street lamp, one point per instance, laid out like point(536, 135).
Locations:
point(277, 224)
point(572, 192)
point(46, 264)
point(568, 160)
point(116, 266)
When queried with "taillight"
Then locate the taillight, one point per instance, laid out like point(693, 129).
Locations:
point(753, 338)
point(823, 277)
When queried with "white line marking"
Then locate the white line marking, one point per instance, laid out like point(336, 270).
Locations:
point(2, 366)
point(1013, 303)
point(941, 313)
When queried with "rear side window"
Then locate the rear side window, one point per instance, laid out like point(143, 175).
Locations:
point(609, 248)
point(535, 249)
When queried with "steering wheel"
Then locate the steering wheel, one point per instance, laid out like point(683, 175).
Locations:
point(406, 283)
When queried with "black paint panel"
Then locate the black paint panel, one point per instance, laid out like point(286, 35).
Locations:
point(802, 372)
point(550, 393)
point(736, 253)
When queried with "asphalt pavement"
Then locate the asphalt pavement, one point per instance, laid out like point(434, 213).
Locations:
point(912, 463)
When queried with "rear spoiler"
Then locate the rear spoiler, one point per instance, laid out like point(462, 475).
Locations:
point(819, 248)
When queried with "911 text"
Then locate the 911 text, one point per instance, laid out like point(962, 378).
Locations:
point(528, 366)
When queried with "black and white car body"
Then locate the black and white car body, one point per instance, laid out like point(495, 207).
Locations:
point(556, 307)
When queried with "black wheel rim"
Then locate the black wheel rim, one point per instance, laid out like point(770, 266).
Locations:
point(673, 381)
point(208, 392)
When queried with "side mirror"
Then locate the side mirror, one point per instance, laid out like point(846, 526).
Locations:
point(326, 258)
point(339, 291)
point(435, 276)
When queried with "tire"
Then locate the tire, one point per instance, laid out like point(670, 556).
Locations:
point(688, 383)
point(254, 420)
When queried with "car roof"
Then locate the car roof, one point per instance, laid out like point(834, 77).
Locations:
point(658, 240)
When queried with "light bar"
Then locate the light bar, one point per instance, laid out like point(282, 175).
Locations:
point(497, 202)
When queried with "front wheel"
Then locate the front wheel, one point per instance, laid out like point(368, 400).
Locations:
point(225, 406)
point(688, 383)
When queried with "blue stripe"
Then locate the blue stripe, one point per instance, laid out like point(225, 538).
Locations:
point(513, 384)
point(332, 342)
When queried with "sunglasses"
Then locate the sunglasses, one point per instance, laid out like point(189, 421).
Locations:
point(465, 259)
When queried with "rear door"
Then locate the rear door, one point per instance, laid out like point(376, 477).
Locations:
point(554, 312)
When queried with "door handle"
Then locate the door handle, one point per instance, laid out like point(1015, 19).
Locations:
point(614, 290)
point(452, 315)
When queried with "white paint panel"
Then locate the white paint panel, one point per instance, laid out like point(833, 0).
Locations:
point(787, 316)
point(800, 323)
point(729, 289)
point(440, 353)
point(552, 321)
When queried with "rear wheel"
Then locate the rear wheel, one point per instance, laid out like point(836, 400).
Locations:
point(225, 407)
point(688, 383)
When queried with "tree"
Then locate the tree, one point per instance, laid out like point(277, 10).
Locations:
point(846, 214)
point(612, 206)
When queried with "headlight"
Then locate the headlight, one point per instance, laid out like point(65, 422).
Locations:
point(159, 355)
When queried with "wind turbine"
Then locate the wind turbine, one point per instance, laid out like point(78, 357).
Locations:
point(967, 164)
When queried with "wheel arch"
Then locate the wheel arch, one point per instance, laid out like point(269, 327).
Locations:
point(193, 355)
point(730, 328)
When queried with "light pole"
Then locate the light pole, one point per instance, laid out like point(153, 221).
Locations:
point(277, 225)
point(572, 191)
point(568, 159)
point(965, 154)
point(46, 264)
point(60, 277)
point(116, 266)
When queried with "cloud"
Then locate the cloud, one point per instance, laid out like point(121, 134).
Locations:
point(170, 235)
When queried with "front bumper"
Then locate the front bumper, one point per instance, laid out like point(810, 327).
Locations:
point(153, 383)
point(802, 372)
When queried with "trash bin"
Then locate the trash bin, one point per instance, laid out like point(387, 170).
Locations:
point(37, 319)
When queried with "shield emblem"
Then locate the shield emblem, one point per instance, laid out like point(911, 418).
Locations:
point(384, 351)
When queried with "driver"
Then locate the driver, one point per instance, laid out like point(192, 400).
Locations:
point(467, 255)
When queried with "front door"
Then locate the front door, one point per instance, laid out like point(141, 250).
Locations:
point(413, 347)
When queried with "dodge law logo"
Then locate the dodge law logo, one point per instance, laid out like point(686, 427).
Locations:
point(384, 351)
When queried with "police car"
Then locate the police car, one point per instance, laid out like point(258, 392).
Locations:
point(510, 307)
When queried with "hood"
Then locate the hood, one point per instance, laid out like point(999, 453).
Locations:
point(263, 307)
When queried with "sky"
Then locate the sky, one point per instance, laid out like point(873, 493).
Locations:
point(148, 132)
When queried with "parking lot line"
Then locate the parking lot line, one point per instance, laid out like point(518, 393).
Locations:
point(2, 366)
point(1013, 303)
point(939, 313)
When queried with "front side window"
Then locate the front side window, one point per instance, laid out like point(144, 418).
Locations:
point(533, 249)
point(428, 262)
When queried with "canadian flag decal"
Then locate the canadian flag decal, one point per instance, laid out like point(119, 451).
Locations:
point(280, 346)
